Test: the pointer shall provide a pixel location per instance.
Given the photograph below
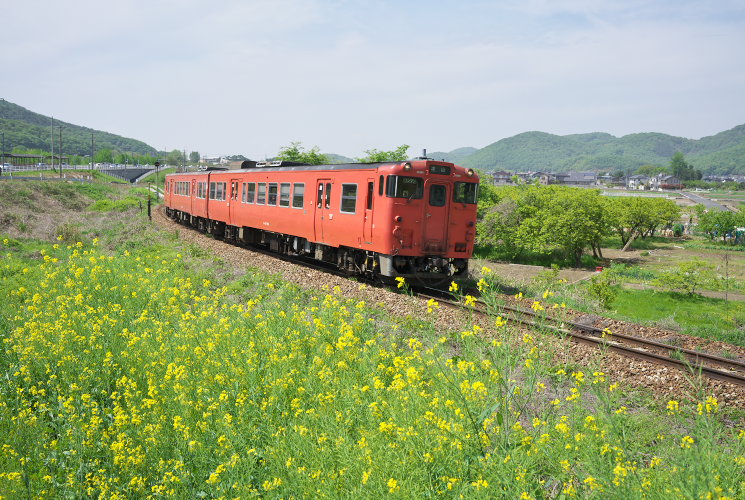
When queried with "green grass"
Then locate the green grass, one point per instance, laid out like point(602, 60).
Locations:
point(696, 315)
point(489, 252)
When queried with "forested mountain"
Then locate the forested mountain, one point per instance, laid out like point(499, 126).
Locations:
point(32, 130)
point(539, 151)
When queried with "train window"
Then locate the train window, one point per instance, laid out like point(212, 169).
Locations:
point(251, 192)
point(201, 190)
point(284, 194)
point(370, 191)
point(217, 191)
point(243, 192)
point(297, 195)
point(272, 196)
point(437, 195)
point(261, 194)
point(328, 195)
point(320, 195)
point(348, 198)
point(466, 192)
point(380, 186)
point(401, 186)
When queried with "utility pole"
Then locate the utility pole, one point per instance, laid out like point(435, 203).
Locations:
point(3, 165)
point(91, 166)
point(60, 151)
point(183, 168)
point(51, 134)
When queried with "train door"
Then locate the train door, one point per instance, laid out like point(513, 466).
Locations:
point(193, 197)
point(233, 202)
point(323, 207)
point(436, 218)
point(368, 224)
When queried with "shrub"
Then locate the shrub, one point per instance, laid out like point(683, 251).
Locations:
point(602, 288)
point(688, 276)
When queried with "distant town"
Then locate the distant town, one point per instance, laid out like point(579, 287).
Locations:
point(659, 182)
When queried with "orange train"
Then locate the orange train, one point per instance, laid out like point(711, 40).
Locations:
point(414, 219)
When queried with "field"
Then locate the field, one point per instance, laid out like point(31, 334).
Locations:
point(716, 311)
point(137, 365)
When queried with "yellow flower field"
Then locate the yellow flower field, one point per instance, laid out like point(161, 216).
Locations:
point(134, 376)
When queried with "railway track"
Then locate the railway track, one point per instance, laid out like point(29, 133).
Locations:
point(687, 360)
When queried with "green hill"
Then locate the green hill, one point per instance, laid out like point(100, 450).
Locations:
point(454, 156)
point(31, 130)
point(539, 151)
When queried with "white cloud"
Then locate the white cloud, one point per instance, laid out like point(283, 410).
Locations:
point(252, 76)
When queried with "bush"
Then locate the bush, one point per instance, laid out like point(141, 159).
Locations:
point(602, 288)
point(688, 276)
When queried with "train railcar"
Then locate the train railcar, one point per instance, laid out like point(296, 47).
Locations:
point(414, 219)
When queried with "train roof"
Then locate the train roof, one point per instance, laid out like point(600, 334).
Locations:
point(250, 166)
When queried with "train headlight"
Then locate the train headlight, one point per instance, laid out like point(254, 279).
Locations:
point(407, 167)
point(469, 172)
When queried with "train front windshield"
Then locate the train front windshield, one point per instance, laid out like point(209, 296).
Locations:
point(402, 186)
point(466, 192)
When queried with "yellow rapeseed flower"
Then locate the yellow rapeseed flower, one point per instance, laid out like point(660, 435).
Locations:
point(393, 486)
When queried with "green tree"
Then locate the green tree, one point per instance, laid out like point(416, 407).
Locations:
point(545, 219)
point(720, 223)
point(632, 216)
point(194, 157)
point(488, 196)
point(499, 226)
point(296, 152)
point(688, 276)
point(373, 155)
point(174, 157)
point(104, 156)
point(650, 170)
point(661, 213)
point(681, 169)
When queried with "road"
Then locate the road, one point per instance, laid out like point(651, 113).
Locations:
point(709, 204)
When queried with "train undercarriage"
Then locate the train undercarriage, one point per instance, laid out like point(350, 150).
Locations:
point(423, 269)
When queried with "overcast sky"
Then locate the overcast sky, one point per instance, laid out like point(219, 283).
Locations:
point(248, 77)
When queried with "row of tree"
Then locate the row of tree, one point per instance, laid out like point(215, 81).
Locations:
point(721, 223)
point(296, 152)
point(560, 219)
point(107, 155)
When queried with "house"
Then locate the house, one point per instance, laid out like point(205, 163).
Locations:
point(637, 182)
point(581, 179)
point(502, 177)
point(664, 181)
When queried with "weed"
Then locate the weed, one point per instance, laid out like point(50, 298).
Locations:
point(69, 233)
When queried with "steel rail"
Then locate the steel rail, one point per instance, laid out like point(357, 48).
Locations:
point(614, 341)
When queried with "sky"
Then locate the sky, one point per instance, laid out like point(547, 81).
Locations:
point(248, 77)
